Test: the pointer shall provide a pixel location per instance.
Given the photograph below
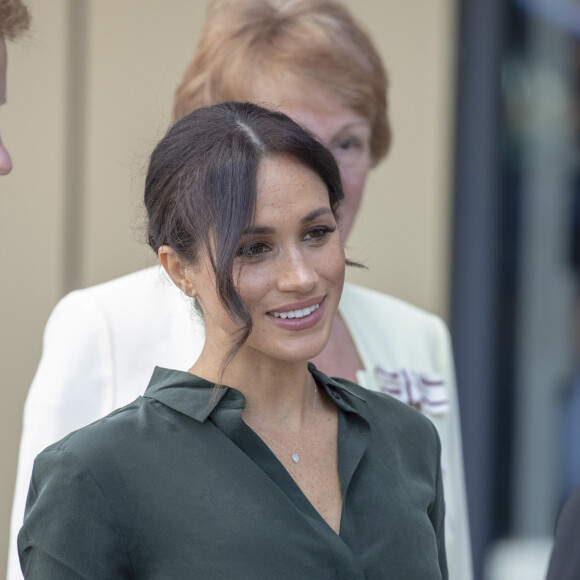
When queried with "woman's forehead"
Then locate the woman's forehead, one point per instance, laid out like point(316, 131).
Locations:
point(315, 107)
point(284, 182)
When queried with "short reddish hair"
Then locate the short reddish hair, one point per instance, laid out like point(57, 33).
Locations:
point(313, 41)
point(14, 18)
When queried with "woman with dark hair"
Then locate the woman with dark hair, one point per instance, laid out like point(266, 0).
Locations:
point(312, 60)
point(253, 464)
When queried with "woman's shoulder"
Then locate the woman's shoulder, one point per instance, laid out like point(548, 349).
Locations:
point(380, 409)
point(396, 429)
point(144, 287)
point(393, 334)
point(374, 303)
point(384, 404)
point(102, 440)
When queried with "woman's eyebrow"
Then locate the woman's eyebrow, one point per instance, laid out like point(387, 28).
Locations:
point(314, 214)
point(353, 125)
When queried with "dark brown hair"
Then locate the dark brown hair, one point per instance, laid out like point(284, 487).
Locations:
point(201, 186)
point(316, 43)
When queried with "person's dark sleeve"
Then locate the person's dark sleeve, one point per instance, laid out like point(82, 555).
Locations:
point(69, 531)
point(565, 560)
point(437, 514)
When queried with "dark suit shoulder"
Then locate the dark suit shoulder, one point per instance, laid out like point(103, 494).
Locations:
point(565, 560)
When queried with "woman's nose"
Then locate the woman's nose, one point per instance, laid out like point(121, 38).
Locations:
point(5, 161)
point(296, 273)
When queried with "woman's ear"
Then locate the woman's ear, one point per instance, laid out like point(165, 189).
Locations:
point(177, 270)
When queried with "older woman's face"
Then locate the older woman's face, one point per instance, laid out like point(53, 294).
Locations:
point(346, 133)
point(5, 161)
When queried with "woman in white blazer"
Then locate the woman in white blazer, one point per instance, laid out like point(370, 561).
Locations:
point(100, 346)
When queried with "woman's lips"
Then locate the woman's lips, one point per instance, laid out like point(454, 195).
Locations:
point(300, 313)
point(299, 316)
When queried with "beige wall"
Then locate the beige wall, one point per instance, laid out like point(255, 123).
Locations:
point(80, 123)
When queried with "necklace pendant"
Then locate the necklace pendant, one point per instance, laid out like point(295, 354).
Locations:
point(295, 457)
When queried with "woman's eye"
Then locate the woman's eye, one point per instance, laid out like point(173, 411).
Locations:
point(253, 250)
point(351, 151)
point(319, 233)
point(349, 143)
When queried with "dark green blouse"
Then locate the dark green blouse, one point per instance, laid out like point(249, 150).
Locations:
point(177, 486)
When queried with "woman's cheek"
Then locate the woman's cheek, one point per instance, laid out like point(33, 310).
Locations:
point(334, 262)
point(353, 183)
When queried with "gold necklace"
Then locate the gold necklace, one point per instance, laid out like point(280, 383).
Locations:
point(294, 454)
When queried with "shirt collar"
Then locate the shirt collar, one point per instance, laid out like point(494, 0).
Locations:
point(344, 393)
point(186, 393)
point(194, 396)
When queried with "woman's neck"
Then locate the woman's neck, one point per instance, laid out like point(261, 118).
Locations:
point(275, 390)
